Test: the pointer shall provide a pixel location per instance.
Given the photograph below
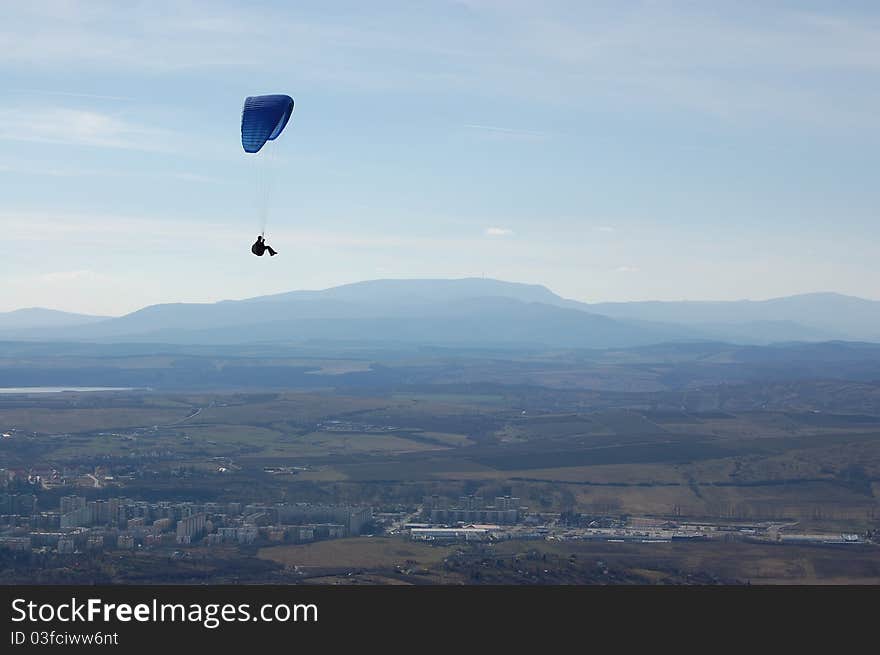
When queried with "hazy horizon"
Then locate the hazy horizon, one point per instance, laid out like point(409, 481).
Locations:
point(611, 152)
point(596, 301)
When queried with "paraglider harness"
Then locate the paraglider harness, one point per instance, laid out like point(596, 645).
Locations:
point(260, 247)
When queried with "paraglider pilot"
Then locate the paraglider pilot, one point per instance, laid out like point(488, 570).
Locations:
point(260, 247)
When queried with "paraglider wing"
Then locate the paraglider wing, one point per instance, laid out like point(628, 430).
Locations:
point(263, 118)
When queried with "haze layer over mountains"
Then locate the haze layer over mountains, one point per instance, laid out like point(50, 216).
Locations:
point(464, 312)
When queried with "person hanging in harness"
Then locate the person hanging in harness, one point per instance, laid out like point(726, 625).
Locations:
point(260, 247)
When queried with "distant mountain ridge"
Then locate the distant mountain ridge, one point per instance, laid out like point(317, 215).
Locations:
point(834, 315)
point(424, 291)
point(38, 317)
point(478, 311)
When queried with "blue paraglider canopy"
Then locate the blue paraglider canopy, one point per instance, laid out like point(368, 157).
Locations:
point(263, 118)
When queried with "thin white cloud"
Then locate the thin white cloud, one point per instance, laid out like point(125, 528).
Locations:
point(605, 228)
point(196, 177)
point(507, 132)
point(71, 276)
point(498, 232)
point(69, 94)
point(61, 125)
point(144, 233)
point(98, 230)
point(627, 269)
point(73, 172)
point(732, 61)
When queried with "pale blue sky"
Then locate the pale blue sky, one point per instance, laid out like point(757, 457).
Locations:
point(611, 151)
